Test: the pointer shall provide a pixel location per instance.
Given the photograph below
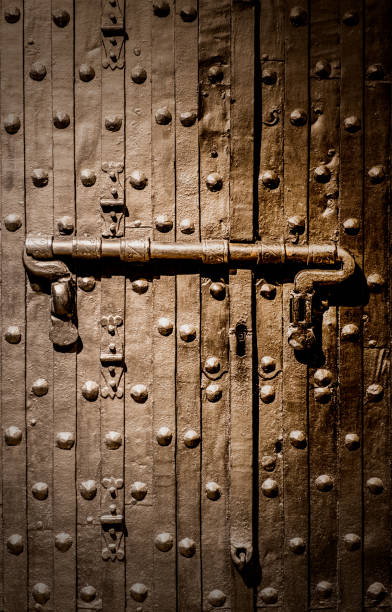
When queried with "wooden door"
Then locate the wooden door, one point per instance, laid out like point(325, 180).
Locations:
point(195, 378)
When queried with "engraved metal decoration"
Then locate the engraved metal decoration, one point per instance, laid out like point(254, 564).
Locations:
point(112, 202)
point(113, 35)
point(113, 532)
point(112, 356)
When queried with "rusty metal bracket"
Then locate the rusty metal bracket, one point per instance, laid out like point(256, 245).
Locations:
point(113, 35)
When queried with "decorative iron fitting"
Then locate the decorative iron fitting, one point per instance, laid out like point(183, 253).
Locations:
point(112, 357)
point(113, 532)
point(112, 202)
point(113, 35)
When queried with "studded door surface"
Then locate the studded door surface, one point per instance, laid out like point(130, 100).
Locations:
point(195, 315)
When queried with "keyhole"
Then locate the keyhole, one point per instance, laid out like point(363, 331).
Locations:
point(240, 332)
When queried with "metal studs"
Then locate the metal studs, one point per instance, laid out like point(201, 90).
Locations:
point(351, 441)
point(213, 392)
point(322, 69)
point(138, 591)
point(298, 16)
point(323, 377)
point(375, 72)
point(270, 179)
point(322, 174)
point(350, 332)
point(188, 118)
point(88, 489)
point(188, 14)
point(216, 598)
point(15, 544)
point(65, 440)
point(61, 18)
point(350, 18)
point(40, 387)
point(138, 74)
point(376, 591)
point(324, 483)
point(324, 589)
point(165, 326)
point(164, 542)
point(90, 390)
point(212, 365)
point(268, 76)
point(113, 124)
point(164, 436)
point(13, 334)
point(298, 117)
point(269, 595)
point(268, 463)
point(215, 74)
point(297, 439)
point(187, 547)
point(352, 541)
point(297, 546)
point(187, 332)
point(138, 490)
point(376, 174)
point(351, 226)
point(88, 177)
point(214, 181)
point(163, 116)
point(88, 593)
point(296, 225)
point(41, 593)
point(140, 285)
point(375, 282)
point(161, 8)
point(12, 123)
point(163, 223)
point(213, 491)
point(139, 393)
point(191, 438)
point(38, 71)
point(63, 541)
point(12, 14)
point(65, 225)
point(12, 222)
point(86, 72)
point(267, 364)
point(13, 436)
point(267, 394)
point(113, 440)
point(268, 291)
point(375, 485)
point(40, 177)
point(86, 283)
point(187, 226)
point(270, 488)
point(40, 490)
point(374, 392)
point(218, 290)
point(138, 179)
point(352, 124)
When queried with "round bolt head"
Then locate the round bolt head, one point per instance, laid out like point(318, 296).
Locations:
point(164, 436)
point(40, 177)
point(138, 490)
point(376, 592)
point(188, 118)
point(41, 593)
point(268, 364)
point(88, 489)
point(165, 326)
point(164, 542)
point(88, 177)
point(12, 123)
point(187, 332)
point(216, 598)
point(65, 225)
point(297, 439)
point(351, 226)
point(13, 334)
point(213, 491)
point(323, 377)
point(191, 438)
point(40, 387)
point(376, 174)
point(298, 117)
point(12, 14)
point(86, 72)
point(269, 77)
point(113, 123)
point(212, 365)
point(268, 463)
point(163, 116)
point(88, 593)
point(65, 440)
point(270, 179)
point(268, 291)
point(188, 14)
point(139, 393)
point(375, 282)
point(375, 392)
point(61, 18)
point(267, 394)
point(322, 395)
point(324, 483)
point(213, 392)
point(86, 283)
point(269, 595)
point(352, 441)
point(13, 436)
point(350, 332)
point(296, 224)
point(163, 223)
point(350, 18)
point(15, 544)
point(63, 541)
point(38, 71)
point(322, 69)
point(187, 547)
point(40, 490)
point(324, 589)
point(298, 16)
point(12, 222)
point(140, 285)
point(113, 440)
point(352, 541)
point(138, 74)
point(215, 74)
point(218, 290)
point(322, 174)
point(161, 8)
point(375, 485)
point(270, 488)
point(90, 390)
point(214, 182)
point(138, 591)
point(352, 124)
point(375, 72)
point(297, 546)
point(187, 226)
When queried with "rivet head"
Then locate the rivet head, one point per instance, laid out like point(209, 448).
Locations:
point(138, 591)
point(139, 393)
point(298, 16)
point(350, 18)
point(38, 71)
point(374, 392)
point(88, 489)
point(187, 547)
point(375, 72)
point(40, 387)
point(191, 438)
point(138, 74)
point(90, 390)
point(375, 485)
point(376, 174)
point(165, 326)
point(270, 179)
point(323, 377)
point(212, 365)
point(65, 225)
point(216, 598)
point(61, 18)
point(296, 224)
point(113, 440)
point(41, 593)
point(113, 123)
point(187, 332)
point(213, 491)
point(13, 436)
point(322, 395)
point(270, 488)
point(40, 490)
point(88, 593)
point(12, 14)
point(188, 118)
point(324, 483)
point(268, 463)
point(218, 290)
point(269, 595)
point(267, 394)
point(351, 226)
point(138, 490)
point(164, 542)
point(163, 223)
point(352, 124)
point(88, 177)
point(297, 546)
point(12, 123)
point(13, 334)
point(188, 13)
point(268, 76)
point(213, 392)
point(352, 441)
point(12, 222)
point(215, 74)
point(376, 591)
point(63, 541)
point(161, 8)
point(214, 181)
point(350, 332)
point(65, 440)
point(138, 179)
point(267, 364)
point(352, 541)
point(40, 177)
point(322, 174)
point(298, 117)
point(15, 544)
point(322, 69)
point(375, 282)
point(297, 438)
point(164, 436)
point(187, 226)
point(86, 72)
point(86, 283)
point(140, 285)
point(324, 589)
point(163, 116)
point(268, 291)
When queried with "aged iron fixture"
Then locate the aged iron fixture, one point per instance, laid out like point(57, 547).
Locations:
point(43, 257)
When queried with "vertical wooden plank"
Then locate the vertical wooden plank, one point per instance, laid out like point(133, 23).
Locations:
point(88, 223)
point(13, 443)
point(323, 207)
point(376, 416)
point(64, 362)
